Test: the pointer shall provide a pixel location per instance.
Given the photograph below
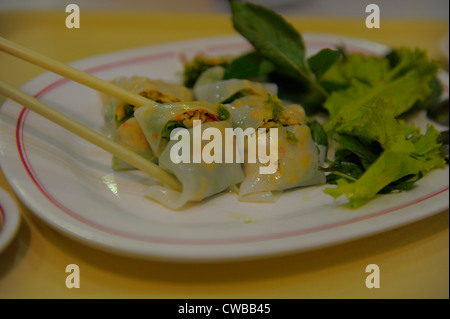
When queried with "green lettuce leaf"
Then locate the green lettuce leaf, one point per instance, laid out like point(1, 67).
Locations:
point(406, 154)
point(366, 69)
point(392, 165)
point(404, 85)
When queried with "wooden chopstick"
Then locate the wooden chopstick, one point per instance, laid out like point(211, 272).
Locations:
point(77, 128)
point(90, 135)
point(69, 72)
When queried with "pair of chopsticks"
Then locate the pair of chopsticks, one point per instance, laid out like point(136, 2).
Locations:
point(73, 126)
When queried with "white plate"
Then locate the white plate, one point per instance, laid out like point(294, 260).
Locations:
point(9, 219)
point(69, 183)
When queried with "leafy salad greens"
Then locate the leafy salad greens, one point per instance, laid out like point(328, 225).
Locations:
point(363, 97)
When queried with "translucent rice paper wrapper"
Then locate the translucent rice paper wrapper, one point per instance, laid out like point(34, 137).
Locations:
point(199, 180)
point(298, 155)
point(251, 111)
point(145, 87)
point(155, 89)
point(153, 119)
point(129, 134)
point(224, 90)
point(298, 160)
point(211, 75)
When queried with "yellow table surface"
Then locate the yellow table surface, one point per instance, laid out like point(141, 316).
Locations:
point(413, 259)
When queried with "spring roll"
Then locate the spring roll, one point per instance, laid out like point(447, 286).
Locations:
point(120, 124)
point(199, 179)
point(298, 156)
